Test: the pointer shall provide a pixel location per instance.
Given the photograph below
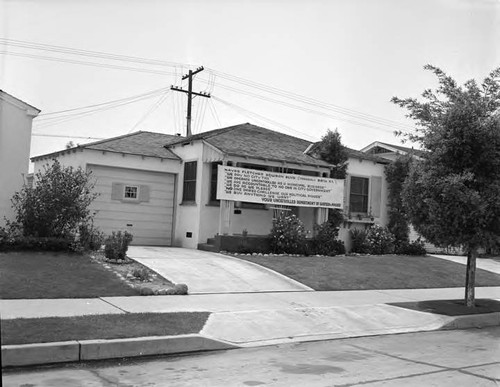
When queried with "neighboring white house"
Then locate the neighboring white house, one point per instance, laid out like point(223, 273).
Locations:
point(164, 188)
point(16, 118)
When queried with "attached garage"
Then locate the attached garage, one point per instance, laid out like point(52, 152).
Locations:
point(138, 201)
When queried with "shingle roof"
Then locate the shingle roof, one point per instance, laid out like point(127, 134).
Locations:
point(247, 140)
point(138, 143)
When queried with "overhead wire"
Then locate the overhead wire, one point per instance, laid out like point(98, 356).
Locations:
point(304, 99)
point(94, 64)
point(359, 116)
point(261, 118)
point(155, 106)
point(89, 53)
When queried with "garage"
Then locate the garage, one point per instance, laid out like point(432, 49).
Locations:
point(138, 201)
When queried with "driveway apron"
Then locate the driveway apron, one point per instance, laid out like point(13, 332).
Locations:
point(206, 272)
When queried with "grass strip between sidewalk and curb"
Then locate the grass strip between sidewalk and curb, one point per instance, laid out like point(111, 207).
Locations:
point(451, 307)
point(372, 272)
point(109, 326)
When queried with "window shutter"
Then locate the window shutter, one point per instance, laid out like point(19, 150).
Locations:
point(144, 193)
point(347, 191)
point(375, 195)
point(116, 191)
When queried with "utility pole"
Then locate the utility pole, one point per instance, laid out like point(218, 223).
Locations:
point(190, 94)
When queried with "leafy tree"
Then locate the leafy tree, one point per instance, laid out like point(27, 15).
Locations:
point(56, 205)
point(452, 194)
point(331, 150)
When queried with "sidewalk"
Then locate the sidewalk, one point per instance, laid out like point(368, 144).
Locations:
point(481, 263)
point(244, 319)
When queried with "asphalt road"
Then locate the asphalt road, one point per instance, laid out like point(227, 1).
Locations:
point(442, 358)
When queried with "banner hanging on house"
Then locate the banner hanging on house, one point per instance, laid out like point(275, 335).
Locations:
point(249, 185)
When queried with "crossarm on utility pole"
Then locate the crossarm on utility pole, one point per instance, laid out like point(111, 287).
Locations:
point(190, 94)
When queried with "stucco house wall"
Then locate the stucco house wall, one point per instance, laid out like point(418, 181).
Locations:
point(16, 118)
point(359, 167)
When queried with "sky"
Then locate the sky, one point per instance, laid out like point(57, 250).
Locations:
point(300, 67)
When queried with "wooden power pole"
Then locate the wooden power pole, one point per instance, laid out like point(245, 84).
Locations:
point(190, 94)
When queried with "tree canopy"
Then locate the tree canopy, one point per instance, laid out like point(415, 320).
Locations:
point(332, 151)
point(451, 194)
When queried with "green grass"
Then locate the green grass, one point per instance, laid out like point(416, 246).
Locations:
point(110, 326)
point(57, 275)
point(451, 307)
point(373, 272)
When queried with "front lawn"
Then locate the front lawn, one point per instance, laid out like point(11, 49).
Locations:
point(57, 275)
point(111, 326)
point(373, 272)
point(452, 307)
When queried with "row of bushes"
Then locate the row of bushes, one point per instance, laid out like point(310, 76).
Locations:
point(379, 240)
point(288, 236)
point(86, 238)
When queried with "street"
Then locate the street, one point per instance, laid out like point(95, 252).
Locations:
point(440, 358)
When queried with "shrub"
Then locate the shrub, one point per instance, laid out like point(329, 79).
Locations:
point(116, 245)
point(380, 240)
point(141, 274)
point(287, 235)
point(91, 237)
point(57, 203)
point(181, 289)
point(411, 248)
point(325, 240)
point(359, 242)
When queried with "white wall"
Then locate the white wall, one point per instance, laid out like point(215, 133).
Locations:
point(188, 214)
point(15, 138)
point(365, 168)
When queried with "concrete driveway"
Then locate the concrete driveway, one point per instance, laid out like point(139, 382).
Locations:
point(206, 272)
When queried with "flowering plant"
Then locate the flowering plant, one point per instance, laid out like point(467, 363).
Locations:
point(287, 235)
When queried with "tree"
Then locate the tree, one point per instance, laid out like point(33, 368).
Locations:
point(57, 204)
point(451, 195)
point(331, 150)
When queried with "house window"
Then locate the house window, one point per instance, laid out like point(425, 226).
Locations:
point(358, 198)
point(130, 192)
point(213, 183)
point(189, 187)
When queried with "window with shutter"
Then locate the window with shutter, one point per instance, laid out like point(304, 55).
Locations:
point(189, 184)
point(358, 196)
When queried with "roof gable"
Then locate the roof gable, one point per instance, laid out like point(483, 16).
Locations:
point(31, 110)
point(378, 147)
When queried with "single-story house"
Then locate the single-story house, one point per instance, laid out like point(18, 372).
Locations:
point(16, 119)
point(183, 191)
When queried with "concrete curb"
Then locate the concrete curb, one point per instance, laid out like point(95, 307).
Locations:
point(74, 351)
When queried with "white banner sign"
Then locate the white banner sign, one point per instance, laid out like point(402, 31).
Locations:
point(249, 185)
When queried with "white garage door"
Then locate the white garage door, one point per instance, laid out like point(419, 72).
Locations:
point(138, 201)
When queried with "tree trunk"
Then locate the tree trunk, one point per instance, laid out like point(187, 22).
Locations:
point(470, 279)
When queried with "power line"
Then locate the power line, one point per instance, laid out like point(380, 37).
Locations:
point(133, 97)
point(94, 64)
point(88, 53)
point(69, 117)
point(302, 98)
point(260, 117)
point(65, 136)
point(155, 106)
point(307, 110)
